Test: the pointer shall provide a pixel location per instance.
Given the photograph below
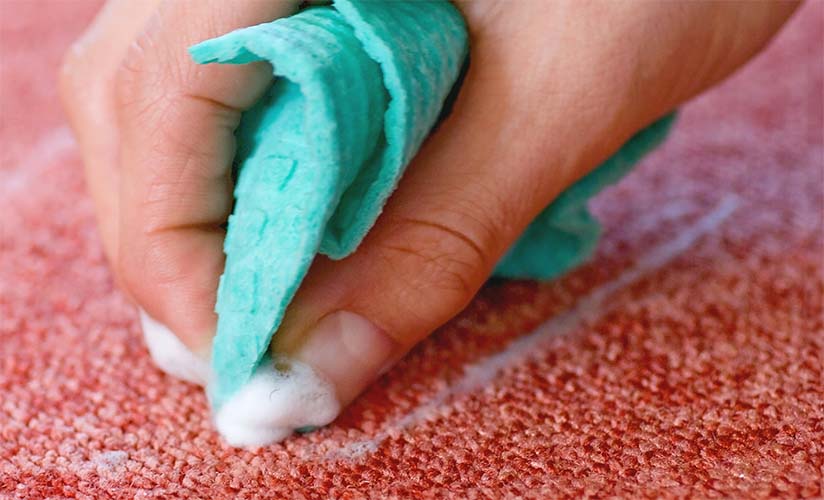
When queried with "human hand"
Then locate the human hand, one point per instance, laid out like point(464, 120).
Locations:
point(554, 88)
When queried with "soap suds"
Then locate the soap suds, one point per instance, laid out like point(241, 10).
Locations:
point(283, 395)
point(170, 355)
point(590, 308)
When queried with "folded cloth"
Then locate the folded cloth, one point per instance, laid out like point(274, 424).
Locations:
point(565, 233)
point(359, 86)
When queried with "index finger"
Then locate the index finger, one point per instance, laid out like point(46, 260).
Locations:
point(177, 122)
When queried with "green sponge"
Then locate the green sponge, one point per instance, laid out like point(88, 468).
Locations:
point(360, 85)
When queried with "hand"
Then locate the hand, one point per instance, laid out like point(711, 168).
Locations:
point(554, 88)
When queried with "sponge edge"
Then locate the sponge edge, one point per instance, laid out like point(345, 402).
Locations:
point(359, 86)
point(170, 355)
point(283, 395)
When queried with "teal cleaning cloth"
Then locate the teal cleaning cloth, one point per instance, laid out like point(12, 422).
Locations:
point(565, 233)
point(359, 86)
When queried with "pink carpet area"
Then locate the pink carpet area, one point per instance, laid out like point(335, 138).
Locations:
point(684, 360)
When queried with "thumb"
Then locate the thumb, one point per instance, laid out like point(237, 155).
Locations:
point(467, 196)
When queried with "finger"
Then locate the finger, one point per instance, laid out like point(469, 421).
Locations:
point(526, 125)
point(87, 92)
point(472, 189)
point(177, 121)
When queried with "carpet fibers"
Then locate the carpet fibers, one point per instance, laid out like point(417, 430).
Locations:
point(685, 359)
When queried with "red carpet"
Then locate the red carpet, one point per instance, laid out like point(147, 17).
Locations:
point(684, 360)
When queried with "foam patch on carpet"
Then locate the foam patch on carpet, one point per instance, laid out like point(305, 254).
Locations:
point(684, 360)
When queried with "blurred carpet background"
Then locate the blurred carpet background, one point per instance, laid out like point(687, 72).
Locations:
point(684, 359)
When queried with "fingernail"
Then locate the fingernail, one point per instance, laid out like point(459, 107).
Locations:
point(349, 350)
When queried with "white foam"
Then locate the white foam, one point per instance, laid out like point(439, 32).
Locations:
point(278, 401)
point(268, 409)
point(282, 396)
point(170, 355)
point(590, 308)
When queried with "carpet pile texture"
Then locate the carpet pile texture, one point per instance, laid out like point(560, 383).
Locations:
point(684, 359)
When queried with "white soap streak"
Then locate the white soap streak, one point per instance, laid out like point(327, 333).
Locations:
point(591, 307)
point(110, 463)
point(52, 146)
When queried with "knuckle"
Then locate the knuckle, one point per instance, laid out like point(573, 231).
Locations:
point(137, 80)
point(71, 73)
point(146, 265)
point(67, 71)
point(436, 259)
point(152, 86)
point(127, 273)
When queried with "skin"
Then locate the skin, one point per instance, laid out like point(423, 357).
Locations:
point(554, 88)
